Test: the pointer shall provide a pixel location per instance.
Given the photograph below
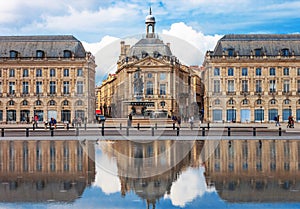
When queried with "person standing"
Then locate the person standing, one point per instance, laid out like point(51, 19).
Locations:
point(277, 121)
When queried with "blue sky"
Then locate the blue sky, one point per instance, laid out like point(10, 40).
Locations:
point(91, 20)
point(99, 22)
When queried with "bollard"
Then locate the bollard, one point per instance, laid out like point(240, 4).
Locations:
point(279, 131)
point(33, 127)
point(127, 131)
point(77, 131)
point(177, 131)
point(203, 131)
point(52, 131)
point(2, 132)
point(173, 126)
point(85, 126)
point(208, 126)
point(138, 126)
point(120, 126)
point(152, 131)
point(102, 129)
point(228, 131)
point(68, 126)
point(27, 132)
point(254, 131)
point(156, 126)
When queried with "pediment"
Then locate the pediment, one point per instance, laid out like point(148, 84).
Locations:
point(150, 62)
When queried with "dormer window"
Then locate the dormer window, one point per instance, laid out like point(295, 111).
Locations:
point(156, 54)
point(13, 54)
point(144, 54)
point(258, 52)
point(285, 52)
point(40, 54)
point(230, 52)
point(67, 54)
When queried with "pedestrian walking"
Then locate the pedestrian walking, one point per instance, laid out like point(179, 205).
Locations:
point(277, 120)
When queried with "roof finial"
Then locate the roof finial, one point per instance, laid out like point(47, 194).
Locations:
point(150, 12)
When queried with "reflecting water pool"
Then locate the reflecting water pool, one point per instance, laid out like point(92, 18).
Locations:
point(149, 174)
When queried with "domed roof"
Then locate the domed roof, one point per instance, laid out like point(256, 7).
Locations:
point(150, 18)
point(153, 47)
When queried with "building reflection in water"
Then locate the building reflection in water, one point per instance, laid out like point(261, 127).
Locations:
point(149, 169)
point(256, 170)
point(46, 170)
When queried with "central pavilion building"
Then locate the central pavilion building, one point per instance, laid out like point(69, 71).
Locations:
point(151, 81)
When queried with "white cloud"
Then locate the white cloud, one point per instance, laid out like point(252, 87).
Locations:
point(106, 174)
point(183, 192)
point(95, 47)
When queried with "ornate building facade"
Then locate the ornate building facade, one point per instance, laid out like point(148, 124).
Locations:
point(150, 81)
point(253, 78)
point(47, 76)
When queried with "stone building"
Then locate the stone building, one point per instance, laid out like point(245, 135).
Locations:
point(253, 78)
point(150, 81)
point(39, 170)
point(261, 171)
point(47, 76)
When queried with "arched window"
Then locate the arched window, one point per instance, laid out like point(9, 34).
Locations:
point(149, 88)
point(40, 54)
point(65, 102)
point(38, 102)
point(286, 101)
point(67, 54)
point(245, 101)
point(285, 52)
point(79, 103)
point(13, 54)
point(52, 103)
point(217, 102)
point(11, 102)
point(258, 101)
point(272, 101)
point(231, 102)
point(25, 102)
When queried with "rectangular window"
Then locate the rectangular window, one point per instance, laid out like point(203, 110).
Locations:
point(298, 86)
point(230, 72)
point(244, 72)
point(258, 71)
point(258, 87)
point(162, 76)
point(52, 87)
point(11, 72)
point(25, 73)
point(66, 89)
point(272, 85)
point(39, 88)
point(298, 71)
point(1, 90)
point(272, 71)
point(79, 87)
point(216, 86)
point(162, 90)
point(230, 85)
point(52, 72)
point(66, 72)
point(39, 73)
point(286, 71)
point(79, 72)
point(217, 72)
point(244, 85)
point(25, 87)
point(286, 86)
point(0, 73)
point(12, 86)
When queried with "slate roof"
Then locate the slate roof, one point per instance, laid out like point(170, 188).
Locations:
point(270, 44)
point(53, 46)
point(150, 46)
